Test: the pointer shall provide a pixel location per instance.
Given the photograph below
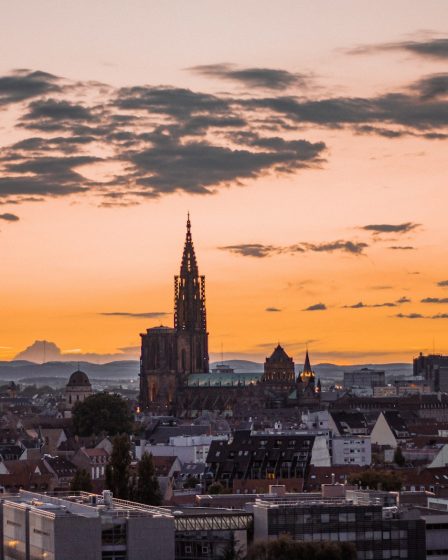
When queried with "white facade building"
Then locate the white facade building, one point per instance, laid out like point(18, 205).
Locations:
point(189, 449)
point(351, 450)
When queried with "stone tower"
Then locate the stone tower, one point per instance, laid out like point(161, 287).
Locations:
point(169, 354)
point(190, 320)
point(279, 369)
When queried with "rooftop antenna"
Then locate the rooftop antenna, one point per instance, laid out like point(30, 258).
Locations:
point(222, 354)
point(45, 351)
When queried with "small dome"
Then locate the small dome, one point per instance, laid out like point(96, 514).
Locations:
point(78, 379)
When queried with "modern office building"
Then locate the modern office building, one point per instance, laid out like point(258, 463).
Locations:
point(374, 530)
point(364, 378)
point(87, 526)
point(434, 370)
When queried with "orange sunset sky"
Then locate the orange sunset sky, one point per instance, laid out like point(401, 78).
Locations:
point(307, 139)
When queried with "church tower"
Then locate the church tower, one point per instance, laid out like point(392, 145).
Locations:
point(190, 320)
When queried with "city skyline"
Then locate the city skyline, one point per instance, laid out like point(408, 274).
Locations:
point(311, 157)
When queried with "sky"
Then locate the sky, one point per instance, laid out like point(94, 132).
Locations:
point(307, 139)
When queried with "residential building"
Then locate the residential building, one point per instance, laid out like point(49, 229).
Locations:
point(351, 450)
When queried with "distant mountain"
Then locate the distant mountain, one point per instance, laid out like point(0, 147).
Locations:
point(21, 370)
point(129, 369)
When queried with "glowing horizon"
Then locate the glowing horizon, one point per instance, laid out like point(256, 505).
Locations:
point(307, 141)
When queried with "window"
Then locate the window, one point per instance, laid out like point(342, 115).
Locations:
point(205, 549)
point(114, 534)
point(325, 518)
point(188, 549)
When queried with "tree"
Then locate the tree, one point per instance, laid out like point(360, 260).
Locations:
point(117, 471)
point(386, 480)
point(287, 549)
point(232, 551)
point(216, 488)
point(399, 459)
point(82, 481)
point(147, 489)
point(191, 482)
point(100, 413)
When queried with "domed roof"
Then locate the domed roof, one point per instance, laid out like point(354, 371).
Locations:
point(78, 379)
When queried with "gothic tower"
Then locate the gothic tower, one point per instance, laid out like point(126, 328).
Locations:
point(189, 313)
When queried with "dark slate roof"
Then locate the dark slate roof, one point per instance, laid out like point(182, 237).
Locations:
point(279, 355)
point(61, 466)
point(162, 434)
point(349, 421)
point(396, 422)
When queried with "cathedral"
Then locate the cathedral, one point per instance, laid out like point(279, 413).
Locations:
point(174, 362)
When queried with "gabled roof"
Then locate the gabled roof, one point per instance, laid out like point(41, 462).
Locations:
point(396, 423)
point(163, 464)
point(61, 466)
point(348, 421)
point(24, 474)
point(279, 355)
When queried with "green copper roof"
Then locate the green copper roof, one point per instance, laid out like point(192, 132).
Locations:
point(222, 379)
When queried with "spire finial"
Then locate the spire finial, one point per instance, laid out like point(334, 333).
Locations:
point(188, 222)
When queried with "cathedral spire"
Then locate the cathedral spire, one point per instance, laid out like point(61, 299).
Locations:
point(189, 265)
point(307, 366)
point(189, 290)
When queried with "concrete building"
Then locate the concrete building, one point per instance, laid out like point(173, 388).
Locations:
point(351, 450)
point(364, 378)
point(375, 531)
point(434, 370)
point(84, 526)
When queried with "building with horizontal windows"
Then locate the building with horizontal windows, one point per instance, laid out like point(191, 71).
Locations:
point(86, 526)
point(373, 529)
point(351, 450)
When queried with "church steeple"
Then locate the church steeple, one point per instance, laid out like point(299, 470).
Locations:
point(307, 375)
point(190, 319)
point(189, 290)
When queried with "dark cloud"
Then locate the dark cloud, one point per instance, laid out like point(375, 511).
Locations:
point(434, 48)
point(53, 109)
point(316, 307)
point(9, 217)
point(361, 305)
point(355, 248)
point(259, 250)
point(145, 315)
point(272, 309)
point(251, 250)
point(265, 78)
point(199, 167)
point(45, 176)
point(174, 102)
point(443, 283)
point(401, 248)
point(391, 228)
point(420, 316)
point(432, 86)
point(166, 139)
point(407, 109)
point(434, 300)
point(24, 84)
